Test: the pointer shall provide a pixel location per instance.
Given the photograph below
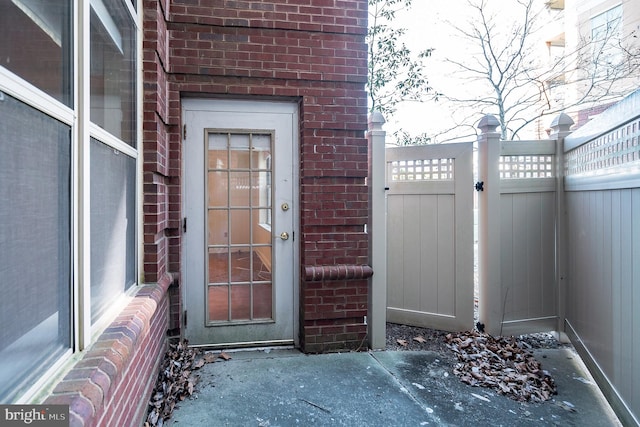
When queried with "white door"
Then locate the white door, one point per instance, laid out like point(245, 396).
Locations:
point(240, 204)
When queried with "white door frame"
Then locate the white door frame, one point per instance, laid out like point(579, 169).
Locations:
point(191, 320)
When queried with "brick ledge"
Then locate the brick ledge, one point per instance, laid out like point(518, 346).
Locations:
point(316, 273)
point(91, 382)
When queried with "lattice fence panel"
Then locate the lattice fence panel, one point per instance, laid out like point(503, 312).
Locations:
point(533, 166)
point(616, 149)
point(423, 170)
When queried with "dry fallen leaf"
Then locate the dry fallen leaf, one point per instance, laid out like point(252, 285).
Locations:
point(210, 357)
point(402, 342)
point(175, 382)
point(501, 363)
point(224, 356)
point(420, 339)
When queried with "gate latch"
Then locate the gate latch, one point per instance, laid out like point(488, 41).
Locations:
point(479, 186)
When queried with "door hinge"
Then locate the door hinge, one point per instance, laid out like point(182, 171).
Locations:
point(184, 131)
point(184, 318)
point(184, 224)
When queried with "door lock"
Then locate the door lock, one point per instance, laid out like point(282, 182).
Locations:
point(284, 235)
point(285, 206)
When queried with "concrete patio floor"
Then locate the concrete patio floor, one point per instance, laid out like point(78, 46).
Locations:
point(282, 387)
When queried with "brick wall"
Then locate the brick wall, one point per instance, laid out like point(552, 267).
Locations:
point(309, 51)
point(112, 383)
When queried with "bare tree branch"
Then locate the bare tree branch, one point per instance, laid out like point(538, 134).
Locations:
point(519, 88)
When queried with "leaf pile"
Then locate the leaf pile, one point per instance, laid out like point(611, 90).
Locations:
point(500, 363)
point(176, 380)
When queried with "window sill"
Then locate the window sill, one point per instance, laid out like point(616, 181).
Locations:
point(103, 370)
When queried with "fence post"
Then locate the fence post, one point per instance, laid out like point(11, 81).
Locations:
point(491, 300)
point(560, 129)
point(377, 307)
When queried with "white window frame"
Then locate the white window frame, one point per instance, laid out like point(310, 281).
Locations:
point(83, 333)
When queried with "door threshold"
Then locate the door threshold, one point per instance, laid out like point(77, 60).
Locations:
point(247, 346)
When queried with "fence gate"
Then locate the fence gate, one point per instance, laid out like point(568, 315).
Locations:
point(518, 234)
point(430, 236)
point(430, 259)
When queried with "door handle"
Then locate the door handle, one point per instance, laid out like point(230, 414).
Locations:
point(284, 235)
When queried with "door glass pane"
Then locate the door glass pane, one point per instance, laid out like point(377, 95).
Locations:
point(113, 232)
point(218, 265)
point(218, 227)
point(218, 188)
point(37, 42)
point(241, 265)
point(262, 304)
point(113, 69)
point(239, 155)
point(239, 185)
point(240, 227)
point(35, 243)
point(261, 231)
point(261, 151)
point(262, 264)
point(218, 299)
point(240, 302)
point(239, 235)
point(261, 189)
point(218, 153)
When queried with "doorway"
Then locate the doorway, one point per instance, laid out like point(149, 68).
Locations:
point(240, 220)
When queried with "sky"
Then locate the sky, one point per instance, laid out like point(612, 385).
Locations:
point(429, 25)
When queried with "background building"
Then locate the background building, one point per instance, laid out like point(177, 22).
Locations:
point(593, 54)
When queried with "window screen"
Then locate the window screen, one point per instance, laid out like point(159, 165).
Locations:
point(35, 236)
point(113, 184)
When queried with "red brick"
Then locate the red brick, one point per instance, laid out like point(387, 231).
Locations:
point(193, 48)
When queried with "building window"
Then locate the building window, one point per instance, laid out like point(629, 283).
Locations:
point(36, 44)
point(113, 199)
point(68, 180)
point(606, 37)
point(113, 70)
point(35, 240)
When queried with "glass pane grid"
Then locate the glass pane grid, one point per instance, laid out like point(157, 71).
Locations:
point(239, 285)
